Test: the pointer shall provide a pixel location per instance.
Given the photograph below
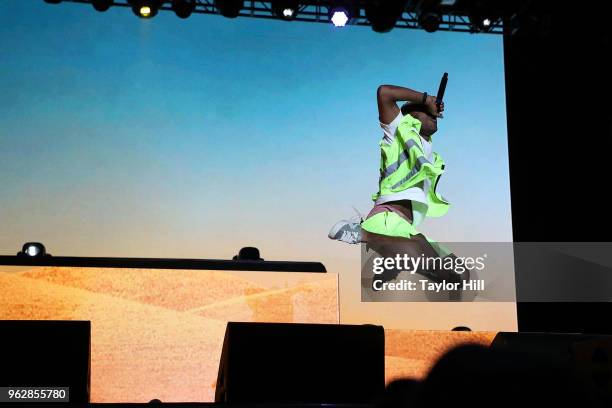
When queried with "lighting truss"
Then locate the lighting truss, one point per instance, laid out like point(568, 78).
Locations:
point(317, 12)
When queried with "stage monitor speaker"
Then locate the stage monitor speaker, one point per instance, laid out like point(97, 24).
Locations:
point(301, 363)
point(46, 353)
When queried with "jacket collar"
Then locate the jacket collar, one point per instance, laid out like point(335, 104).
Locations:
point(411, 122)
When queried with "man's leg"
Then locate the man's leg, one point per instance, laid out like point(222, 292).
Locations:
point(414, 247)
point(439, 272)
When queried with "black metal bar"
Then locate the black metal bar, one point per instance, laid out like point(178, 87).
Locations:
point(164, 263)
point(199, 405)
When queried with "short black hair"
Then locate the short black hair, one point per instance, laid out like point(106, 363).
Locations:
point(412, 107)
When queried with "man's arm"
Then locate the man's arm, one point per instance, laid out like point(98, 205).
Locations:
point(388, 95)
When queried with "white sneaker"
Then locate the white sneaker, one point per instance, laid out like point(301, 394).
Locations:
point(346, 231)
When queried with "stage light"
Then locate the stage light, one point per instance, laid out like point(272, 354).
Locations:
point(383, 14)
point(481, 23)
point(341, 12)
point(145, 8)
point(428, 15)
point(483, 16)
point(145, 11)
point(229, 8)
point(339, 18)
point(430, 21)
point(248, 254)
point(33, 249)
point(183, 8)
point(285, 9)
point(101, 5)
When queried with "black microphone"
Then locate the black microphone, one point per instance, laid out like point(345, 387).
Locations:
point(441, 90)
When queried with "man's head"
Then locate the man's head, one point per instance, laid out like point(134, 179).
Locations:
point(429, 122)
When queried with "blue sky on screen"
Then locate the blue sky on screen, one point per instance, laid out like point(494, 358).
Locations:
point(192, 138)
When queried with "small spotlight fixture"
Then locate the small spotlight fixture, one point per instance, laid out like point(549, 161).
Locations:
point(482, 17)
point(183, 8)
point(145, 8)
point(285, 9)
point(481, 23)
point(33, 250)
point(248, 254)
point(428, 15)
point(101, 5)
point(340, 13)
point(383, 14)
point(340, 18)
point(430, 21)
point(229, 8)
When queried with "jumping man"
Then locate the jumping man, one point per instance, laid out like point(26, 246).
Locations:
point(409, 173)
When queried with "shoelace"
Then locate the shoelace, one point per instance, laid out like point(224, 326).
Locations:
point(359, 215)
point(349, 236)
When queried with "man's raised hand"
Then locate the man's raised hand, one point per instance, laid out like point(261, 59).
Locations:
point(432, 108)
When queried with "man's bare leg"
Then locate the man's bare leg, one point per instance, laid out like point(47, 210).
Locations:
point(413, 247)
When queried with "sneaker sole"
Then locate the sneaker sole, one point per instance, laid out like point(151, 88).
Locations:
point(332, 233)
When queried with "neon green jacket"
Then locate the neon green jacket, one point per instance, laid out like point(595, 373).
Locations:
point(403, 165)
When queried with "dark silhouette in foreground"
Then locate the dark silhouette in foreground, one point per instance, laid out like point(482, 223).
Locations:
point(477, 376)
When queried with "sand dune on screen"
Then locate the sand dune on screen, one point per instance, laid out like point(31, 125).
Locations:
point(169, 288)
point(312, 302)
point(412, 353)
point(398, 367)
point(139, 351)
point(158, 333)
